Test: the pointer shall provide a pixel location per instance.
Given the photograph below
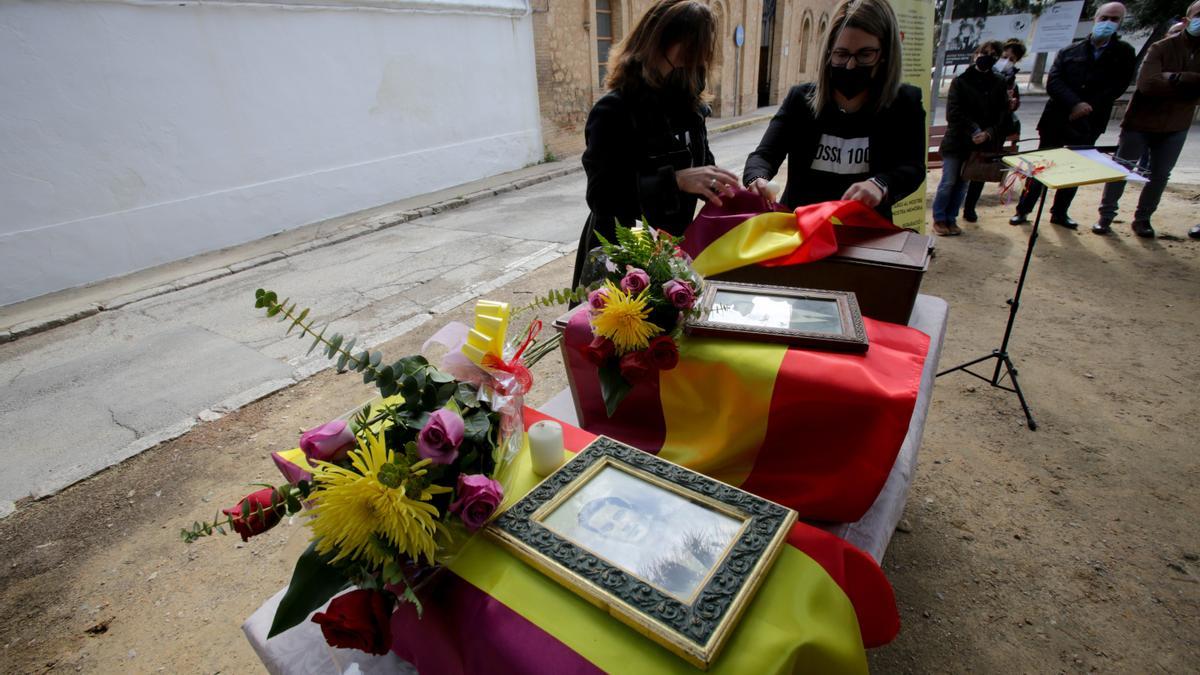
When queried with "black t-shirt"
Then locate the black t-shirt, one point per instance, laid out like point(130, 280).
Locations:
point(842, 157)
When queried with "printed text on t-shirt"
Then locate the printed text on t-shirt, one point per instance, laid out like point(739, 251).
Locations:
point(843, 155)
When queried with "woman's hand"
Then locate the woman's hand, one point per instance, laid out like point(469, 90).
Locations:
point(980, 137)
point(866, 192)
point(762, 188)
point(710, 182)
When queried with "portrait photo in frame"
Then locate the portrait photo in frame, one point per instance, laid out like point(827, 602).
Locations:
point(670, 552)
point(799, 317)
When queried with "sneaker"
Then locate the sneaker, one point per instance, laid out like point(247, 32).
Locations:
point(1143, 229)
point(970, 216)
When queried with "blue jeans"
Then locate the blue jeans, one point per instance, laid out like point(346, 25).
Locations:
point(1162, 149)
point(951, 191)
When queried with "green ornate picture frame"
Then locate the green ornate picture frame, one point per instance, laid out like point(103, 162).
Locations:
point(672, 553)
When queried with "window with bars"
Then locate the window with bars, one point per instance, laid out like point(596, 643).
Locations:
point(604, 36)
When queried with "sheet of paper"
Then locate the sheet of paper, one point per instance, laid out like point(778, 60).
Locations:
point(1107, 160)
point(1067, 168)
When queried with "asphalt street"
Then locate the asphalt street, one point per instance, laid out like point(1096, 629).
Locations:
point(84, 396)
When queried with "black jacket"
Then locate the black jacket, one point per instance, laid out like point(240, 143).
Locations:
point(897, 137)
point(1077, 76)
point(636, 140)
point(978, 101)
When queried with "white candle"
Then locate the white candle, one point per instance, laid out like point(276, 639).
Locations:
point(546, 447)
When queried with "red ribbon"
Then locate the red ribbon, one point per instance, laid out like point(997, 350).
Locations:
point(521, 375)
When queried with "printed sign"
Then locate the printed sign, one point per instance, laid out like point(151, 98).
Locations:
point(916, 35)
point(1055, 27)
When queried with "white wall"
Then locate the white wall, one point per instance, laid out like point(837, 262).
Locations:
point(139, 132)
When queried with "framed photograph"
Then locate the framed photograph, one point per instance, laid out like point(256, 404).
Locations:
point(800, 317)
point(670, 552)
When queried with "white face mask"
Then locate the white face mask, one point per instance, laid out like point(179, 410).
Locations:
point(1003, 66)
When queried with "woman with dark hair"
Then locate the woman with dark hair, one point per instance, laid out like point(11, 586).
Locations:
point(647, 150)
point(1006, 67)
point(855, 133)
point(977, 119)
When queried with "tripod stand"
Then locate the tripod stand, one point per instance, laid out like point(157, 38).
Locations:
point(1003, 360)
point(1058, 168)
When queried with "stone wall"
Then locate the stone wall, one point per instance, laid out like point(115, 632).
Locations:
point(568, 72)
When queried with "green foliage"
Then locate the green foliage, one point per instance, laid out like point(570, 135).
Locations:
point(613, 387)
point(555, 298)
point(314, 582)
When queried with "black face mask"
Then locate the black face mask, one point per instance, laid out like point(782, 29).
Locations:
point(850, 82)
point(985, 62)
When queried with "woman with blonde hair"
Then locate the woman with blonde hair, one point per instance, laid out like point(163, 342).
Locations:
point(647, 150)
point(856, 132)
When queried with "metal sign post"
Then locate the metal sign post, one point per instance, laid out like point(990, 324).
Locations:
point(739, 39)
point(941, 61)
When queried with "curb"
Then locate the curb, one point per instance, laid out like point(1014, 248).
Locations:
point(371, 225)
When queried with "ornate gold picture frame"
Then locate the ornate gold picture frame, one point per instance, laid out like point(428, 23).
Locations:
point(799, 317)
point(670, 552)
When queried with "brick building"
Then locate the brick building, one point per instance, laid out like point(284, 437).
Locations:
point(572, 39)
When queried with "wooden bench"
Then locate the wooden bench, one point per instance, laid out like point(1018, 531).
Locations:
point(938, 132)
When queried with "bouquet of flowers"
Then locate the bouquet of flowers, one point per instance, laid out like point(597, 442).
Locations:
point(646, 288)
point(396, 489)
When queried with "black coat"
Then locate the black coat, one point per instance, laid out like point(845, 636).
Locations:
point(978, 101)
point(636, 140)
point(897, 137)
point(1077, 76)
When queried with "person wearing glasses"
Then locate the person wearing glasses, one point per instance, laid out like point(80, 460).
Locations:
point(977, 120)
point(647, 150)
point(857, 132)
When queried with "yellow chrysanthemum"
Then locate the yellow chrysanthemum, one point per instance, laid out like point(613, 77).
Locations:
point(623, 320)
point(351, 506)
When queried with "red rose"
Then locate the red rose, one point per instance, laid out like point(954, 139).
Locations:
point(663, 352)
point(360, 619)
point(265, 511)
point(637, 367)
point(598, 351)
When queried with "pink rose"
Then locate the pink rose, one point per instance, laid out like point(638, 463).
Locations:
point(635, 281)
point(598, 298)
point(599, 350)
point(291, 472)
point(330, 442)
point(637, 367)
point(680, 294)
point(478, 497)
point(439, 440)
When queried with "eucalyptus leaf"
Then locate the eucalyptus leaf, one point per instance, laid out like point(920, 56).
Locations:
point(314, 582)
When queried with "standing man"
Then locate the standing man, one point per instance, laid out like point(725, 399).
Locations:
point(1085, 80)
point(1157, 121)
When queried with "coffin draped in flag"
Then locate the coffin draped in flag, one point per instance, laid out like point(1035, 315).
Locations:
point(745, 231)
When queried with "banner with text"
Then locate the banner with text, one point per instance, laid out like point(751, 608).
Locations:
point(916, 34)
point(967, 33)
point(1056, 26)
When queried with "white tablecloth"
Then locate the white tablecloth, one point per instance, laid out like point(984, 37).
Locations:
point(303, 650)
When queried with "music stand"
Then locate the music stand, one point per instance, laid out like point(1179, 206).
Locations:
point(1059, 168)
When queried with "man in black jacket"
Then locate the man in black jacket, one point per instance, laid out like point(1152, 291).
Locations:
point(1087, 77)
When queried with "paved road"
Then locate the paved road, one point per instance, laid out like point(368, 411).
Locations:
point(79, 398)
